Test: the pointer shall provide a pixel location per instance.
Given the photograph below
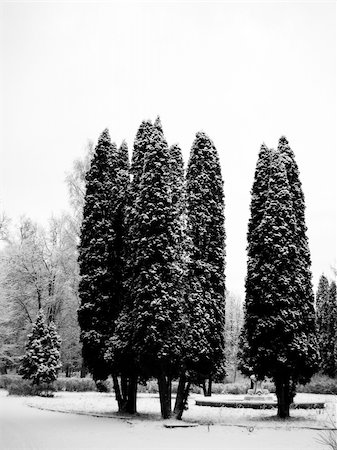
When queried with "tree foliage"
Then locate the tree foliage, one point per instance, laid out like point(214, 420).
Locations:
point(39, 269)
point(156, 297)
point(98, 287)
point(206, 280)
point(147, 336)
point(279, 332)
point(41, 361)
point(326, 318)
point(120, 351)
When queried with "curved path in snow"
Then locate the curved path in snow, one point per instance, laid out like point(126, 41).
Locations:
point(22, 427)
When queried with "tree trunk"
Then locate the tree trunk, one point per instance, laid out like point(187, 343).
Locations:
point(165, 388)
point(235, 372)
point(124, 386)
point(209, 390)
point(84, 371)
point(131, 402)
point(118, 394)
point(126, 394)
point(283, 397)
point(182, 396)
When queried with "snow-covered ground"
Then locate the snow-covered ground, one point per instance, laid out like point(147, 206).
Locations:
point(23, 427)
point(149, 410)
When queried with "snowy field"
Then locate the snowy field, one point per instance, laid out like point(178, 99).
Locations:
point(24, 426)
point(149, 410)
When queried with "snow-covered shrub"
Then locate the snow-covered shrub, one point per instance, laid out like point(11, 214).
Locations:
point(41, 362)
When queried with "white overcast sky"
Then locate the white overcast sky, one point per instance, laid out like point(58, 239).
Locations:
point(245, 73)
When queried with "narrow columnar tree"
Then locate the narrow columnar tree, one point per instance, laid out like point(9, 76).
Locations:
point(100, 286)
point(279, 330)
point(41, 362)
point(120, 351)
point(204, 306)
point(326, 318)
point(306, 297)
point(139, 149)
point(178, 198)
point(333, 302)
point(156, 309)
point(259, 194)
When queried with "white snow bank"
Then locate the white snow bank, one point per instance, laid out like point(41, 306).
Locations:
point(149, 410)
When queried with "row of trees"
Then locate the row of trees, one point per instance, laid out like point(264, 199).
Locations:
point(39, 268)
point(162, 315)
point(152, 258)
point(151, 279)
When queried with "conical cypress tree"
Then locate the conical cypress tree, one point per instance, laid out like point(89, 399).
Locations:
point(281, 344)
point(41, 362)
point(177, 194)
point(326, 319)
point(305, 289)
point(206, 280)
point(139, 148)
point(157, 124)
point(99, 286)
point(259, 194)
point(156, 299)
point(333, 303)
point(118, 355)
point(297, 196)
point(121, 352)
point(123, 160)
point(142, 140)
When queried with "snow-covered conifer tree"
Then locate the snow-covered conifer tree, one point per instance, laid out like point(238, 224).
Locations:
point(205, 352)
point(120, 351)
point(305, 293)
point(333, 303)
point(156, 308)
point(41, 361)
point(99, 256)
point(279, 331)
point(259, 194)
point(326, 319)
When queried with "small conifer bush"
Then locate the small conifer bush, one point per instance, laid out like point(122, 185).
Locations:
point(41, 362)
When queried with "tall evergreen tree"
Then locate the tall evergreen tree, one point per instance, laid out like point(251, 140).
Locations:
point(259, 194)
point(99, 259)
point(333, 302)
point(306, 296)
point(205, 298)
point(279, 331)
point(41, 361)
point(139, 149)
point(120, 351)
point(119, 356)
point(156, 313)
point(178, 196)
point(326, 319)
